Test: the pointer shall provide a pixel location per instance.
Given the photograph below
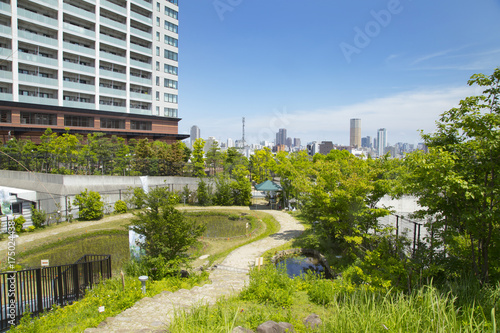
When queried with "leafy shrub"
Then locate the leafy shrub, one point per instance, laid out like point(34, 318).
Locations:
point(31, 228)
point(90, 205)
point(38, 217)
point(120, 207)
point(138, 198)
point(19, 221)
point(270, 285)
point(204, 197)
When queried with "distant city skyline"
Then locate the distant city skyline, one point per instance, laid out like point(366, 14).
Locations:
point(409, 72)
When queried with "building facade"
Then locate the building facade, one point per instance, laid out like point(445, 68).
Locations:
point(281, 137)
point(355, 133)
point(89, 65)
point(381, 141)
point(195, 133)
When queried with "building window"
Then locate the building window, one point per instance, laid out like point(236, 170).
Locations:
point(169, 112)
point(78, 121)
point(158, 6)
point(170, 98)
point(171, 27)
point(112, 123)
point(170, 55)
point(170, 69)
point(173, 2)
point(158, 51)
point(157, 95)
point(158, 36)
point(157, 80)
point(172, 13)
point(170, 84)
point(17, 208)
point(140, 125)
point(38, 118)
point(171, 41)
point(157, 111)
point(157, 65)
point(5, 116)
point(157, 21)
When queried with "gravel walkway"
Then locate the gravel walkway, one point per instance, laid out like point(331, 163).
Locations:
point(154, 314)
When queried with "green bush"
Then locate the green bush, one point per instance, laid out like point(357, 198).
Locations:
point(38, 217)
point(90, 205)
point(19, 221)
point(120, 207)
point(137, 197)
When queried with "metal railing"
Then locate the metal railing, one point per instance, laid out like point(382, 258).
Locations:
point(36, 290)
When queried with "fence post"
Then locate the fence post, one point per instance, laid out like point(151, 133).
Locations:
point(76, 280)
point(39, 292)
point(414, 236)
point(60, 285)
point(66, 204)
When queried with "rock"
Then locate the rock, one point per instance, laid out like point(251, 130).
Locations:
point(312, 321)
point(184, 273)
point(241, 329)
point(274, 327)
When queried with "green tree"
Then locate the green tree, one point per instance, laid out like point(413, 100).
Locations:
point(223, 195)
point(214, 158)
point(203, 193)
point(241, 186)
point(261, 165)
point(90, 205)
point(168, 234)
point(457, 180)
point(198, 160)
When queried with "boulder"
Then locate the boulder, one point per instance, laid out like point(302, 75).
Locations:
point(312, 321)
point(241, 329)
point(274, 327)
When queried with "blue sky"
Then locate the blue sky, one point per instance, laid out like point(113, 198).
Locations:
point(310, 66)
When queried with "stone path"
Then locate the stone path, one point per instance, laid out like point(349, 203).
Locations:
point(154, 314)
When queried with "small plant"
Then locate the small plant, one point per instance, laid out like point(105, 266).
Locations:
point(137, 198)
point(38, 217)
point(90, 205)
point(120, 207)
point(19, 221)
point(31, 228)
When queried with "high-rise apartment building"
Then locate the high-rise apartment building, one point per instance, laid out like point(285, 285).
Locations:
point(281, 137)
point(296, 142)
point(89, 65)
point(381, 141)
point(194, 134)
point(355, 133)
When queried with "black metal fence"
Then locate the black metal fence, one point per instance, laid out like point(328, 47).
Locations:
point(36, 290)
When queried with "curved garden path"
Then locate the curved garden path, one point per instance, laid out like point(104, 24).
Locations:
point(154, 314)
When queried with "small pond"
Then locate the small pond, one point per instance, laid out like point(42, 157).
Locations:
point(298, 265)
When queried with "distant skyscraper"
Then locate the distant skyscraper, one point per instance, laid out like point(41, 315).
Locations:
point(195, 134)
point(296, 142)
point(281, 137)
point(381, 141)
point(355, 137)
point(230, 143)
point(366, 142)
point(289, 142)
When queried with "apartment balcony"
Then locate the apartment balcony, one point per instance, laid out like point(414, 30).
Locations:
point(33, 17)
point(112, 108)
point(37, 80)
point(141, 80)
point(37, 59)
point(113, 40)
point(78, 104)
point(5, 7)
point(112, 92)
point(5, 53)
point(6, 75)
point(141, 64)
point(6, 96)
point(38, 100)
point(79, 31)
point(48, 3)
point(141, 49)
point(114, 8)
point(141, 97)
point(147, 112)
point(79, 49)
point(113, 75)
point(143, 4)
point(77, 67)
point(79, 86)
point(78, 12)
point(6, 30)
point(141, 18)
point(140, 33)
point(112, 57)
point(114, 24)
point(37, 39)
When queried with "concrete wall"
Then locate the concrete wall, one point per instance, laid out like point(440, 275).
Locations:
point(55, 191)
